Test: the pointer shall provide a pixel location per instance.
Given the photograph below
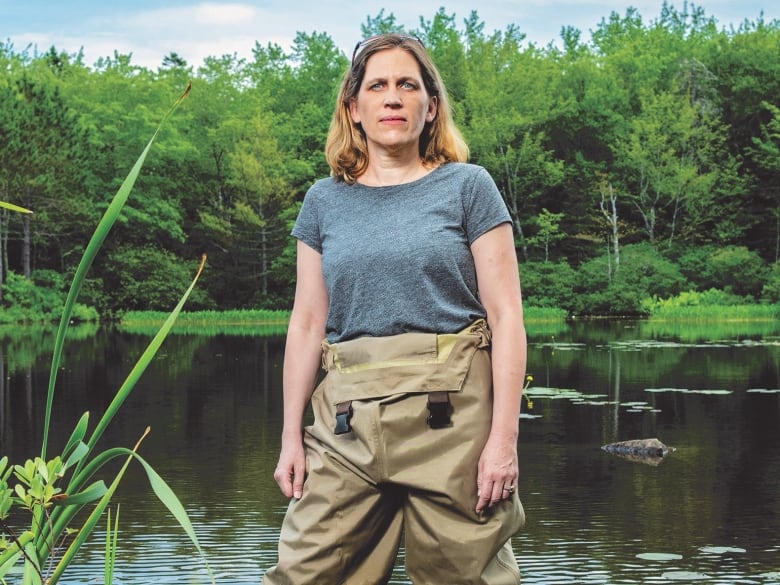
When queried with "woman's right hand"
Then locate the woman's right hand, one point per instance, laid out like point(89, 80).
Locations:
point(291, 468)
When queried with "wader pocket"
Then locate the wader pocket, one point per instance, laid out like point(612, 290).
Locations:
point(377, 367)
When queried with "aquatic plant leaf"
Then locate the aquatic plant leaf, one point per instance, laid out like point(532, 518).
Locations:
point(80, 451)
point(718, 391)
point(720, 550)
point(13, 207)
point(684, 576)
point(92, 493)
point(554, 393)
point(168, 498)
point(95, 243)
point(143, 362)
point(32, 571)
point(76, 436)
point(651, 556)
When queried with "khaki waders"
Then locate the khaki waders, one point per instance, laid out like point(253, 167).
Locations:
point(377, 470)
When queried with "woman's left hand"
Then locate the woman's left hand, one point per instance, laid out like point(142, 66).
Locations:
point(497, 472)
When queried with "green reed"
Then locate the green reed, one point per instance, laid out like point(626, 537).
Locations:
point(54, 491)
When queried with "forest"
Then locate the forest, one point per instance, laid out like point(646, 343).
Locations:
point(637, 165)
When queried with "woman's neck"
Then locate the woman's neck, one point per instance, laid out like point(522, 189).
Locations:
point(386, 170)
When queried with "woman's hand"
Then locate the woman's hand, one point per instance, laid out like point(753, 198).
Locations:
point(302, 361)
point(499, 289)
point(497, 471)
point(291, 468)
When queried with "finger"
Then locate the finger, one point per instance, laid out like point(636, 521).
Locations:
point(483, 502)
point(497, 494)
point(283, 480)
point(297, 483)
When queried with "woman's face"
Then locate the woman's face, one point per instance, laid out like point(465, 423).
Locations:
point(392, 104)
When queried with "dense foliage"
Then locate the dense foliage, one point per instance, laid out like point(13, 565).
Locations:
point(640, 164)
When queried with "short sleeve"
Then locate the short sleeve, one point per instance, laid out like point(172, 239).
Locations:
point(484, 206)
point(307, 224)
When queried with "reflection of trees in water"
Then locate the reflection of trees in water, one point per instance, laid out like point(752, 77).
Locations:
point(214, 404)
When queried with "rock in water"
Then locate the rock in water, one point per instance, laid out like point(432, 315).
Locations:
point(650, 451)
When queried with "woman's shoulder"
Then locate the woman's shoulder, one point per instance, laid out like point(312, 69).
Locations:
point(325, 188)
point(462, 168)
point(471, 176)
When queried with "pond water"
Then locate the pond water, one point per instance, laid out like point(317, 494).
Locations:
point(709, 512)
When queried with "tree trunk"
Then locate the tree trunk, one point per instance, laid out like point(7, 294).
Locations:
point(511, 201)
point(26, 245)
point(3, 244)
point(608, 206)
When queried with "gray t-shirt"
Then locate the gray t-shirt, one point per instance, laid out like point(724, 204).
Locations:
point(397, 259)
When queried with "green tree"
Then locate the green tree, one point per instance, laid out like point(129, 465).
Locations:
point(766, 155)
point(510, 96)
point(44, 150)
point(548, 232)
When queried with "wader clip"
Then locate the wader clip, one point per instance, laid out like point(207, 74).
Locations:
point(440, 408)
point(343, 414)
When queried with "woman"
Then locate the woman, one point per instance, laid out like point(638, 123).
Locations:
point(406, 269)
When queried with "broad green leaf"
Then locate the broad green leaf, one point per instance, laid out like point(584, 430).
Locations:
point(92, 519)
point(32, 570)
point(92, 493)
point(169, 499)
point(163, 492)
point(80, 451)
point(79, 432)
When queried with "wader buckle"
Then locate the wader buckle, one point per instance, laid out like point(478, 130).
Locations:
point(440, 408)
point(343, 414)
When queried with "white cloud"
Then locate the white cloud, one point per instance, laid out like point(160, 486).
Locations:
point(215, 28)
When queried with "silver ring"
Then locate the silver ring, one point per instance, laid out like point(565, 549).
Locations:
point(510, 489)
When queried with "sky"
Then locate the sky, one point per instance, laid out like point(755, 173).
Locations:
point(195, 29)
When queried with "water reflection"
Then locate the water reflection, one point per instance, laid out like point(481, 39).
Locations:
point(214, 406)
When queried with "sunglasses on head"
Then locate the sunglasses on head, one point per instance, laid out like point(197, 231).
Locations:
point(402, 37)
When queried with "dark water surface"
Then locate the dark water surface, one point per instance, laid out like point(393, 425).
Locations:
point(708, 513)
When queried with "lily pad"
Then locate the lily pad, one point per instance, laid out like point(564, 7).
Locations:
point(720, 550)
point(764, 390)
point(718, 391)
point(684, 576)
point(651, 556)
point(553, 393)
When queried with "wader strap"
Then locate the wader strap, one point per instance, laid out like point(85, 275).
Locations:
point(440, 408)
point(343, 414)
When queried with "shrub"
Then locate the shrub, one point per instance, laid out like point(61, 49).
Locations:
point(643, 273)
point(709, 298)
point(38, 299)
point(548, 284)
point(734, 269)
point(149, 279)
point(770, 293)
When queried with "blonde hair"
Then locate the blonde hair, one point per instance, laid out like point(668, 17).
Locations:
point(345, 148)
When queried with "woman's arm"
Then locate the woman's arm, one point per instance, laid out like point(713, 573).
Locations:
point(302, 360)
point(499, 289)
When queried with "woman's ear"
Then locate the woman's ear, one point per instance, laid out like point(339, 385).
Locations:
point(433, 109)
point(353, 111)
